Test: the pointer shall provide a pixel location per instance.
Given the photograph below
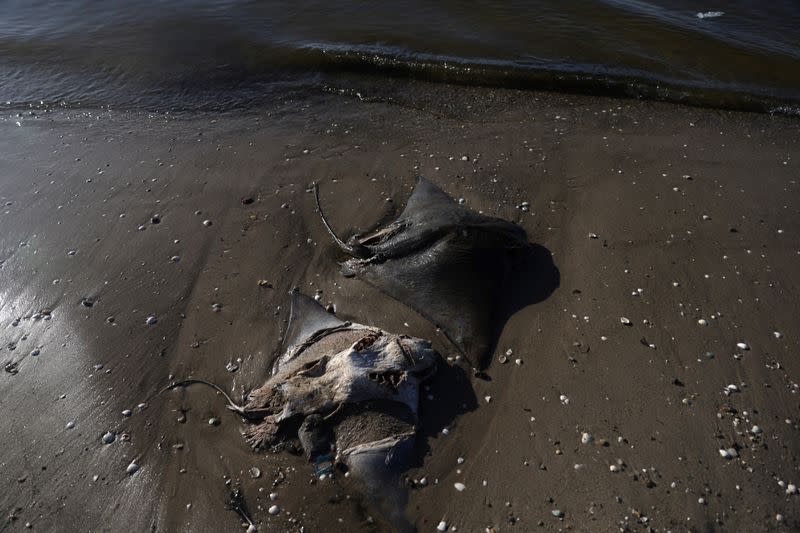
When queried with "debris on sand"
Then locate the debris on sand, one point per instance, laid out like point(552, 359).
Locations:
point(728, 453)
point(237, 504)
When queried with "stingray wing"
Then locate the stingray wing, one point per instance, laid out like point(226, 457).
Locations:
point(455, 283)
point(428, 199)
point(306, 317)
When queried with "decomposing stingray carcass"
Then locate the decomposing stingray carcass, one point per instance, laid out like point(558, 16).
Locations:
point(445, 261)
point(349, 393)
point(332, 369)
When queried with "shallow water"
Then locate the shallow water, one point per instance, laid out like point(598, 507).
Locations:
point(203, 53)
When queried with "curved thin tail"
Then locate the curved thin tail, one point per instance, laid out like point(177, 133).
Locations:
point(360, 252)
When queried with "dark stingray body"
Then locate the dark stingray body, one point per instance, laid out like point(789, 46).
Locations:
point(448, 263)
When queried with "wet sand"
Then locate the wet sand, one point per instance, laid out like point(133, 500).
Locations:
point(661, 214)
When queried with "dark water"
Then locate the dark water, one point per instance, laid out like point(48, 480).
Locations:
point(202, 53)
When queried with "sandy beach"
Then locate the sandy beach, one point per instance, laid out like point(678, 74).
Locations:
point(625, 402)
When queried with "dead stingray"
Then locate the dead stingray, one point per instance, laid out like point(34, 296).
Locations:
point(448, 263)
point(353, 390)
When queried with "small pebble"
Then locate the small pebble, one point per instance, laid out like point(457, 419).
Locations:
point(175, 258)
point(557, 513)
point(702, 322)
point(273, 496)
point(207, 223)
point(70, 424)
point(127, 412)
point(252, 528)
point(35, 352)
point(742, 346)
point(625, 321)
point(213, 421)
point(586, 438)
point(255, 473)
point(791, 488)
point(132, 468)
point(273, 510)
point(757, 430)
point(442, 526)
point(459, 486)
point(728, 453)
point(109, 437)
point(151, 320)
point(777, 334)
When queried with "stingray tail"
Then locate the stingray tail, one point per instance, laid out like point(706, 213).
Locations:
point(233, 406)
point(355, 251)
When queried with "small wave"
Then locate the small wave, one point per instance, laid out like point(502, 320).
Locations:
point(181, 54)
point(710, 14)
